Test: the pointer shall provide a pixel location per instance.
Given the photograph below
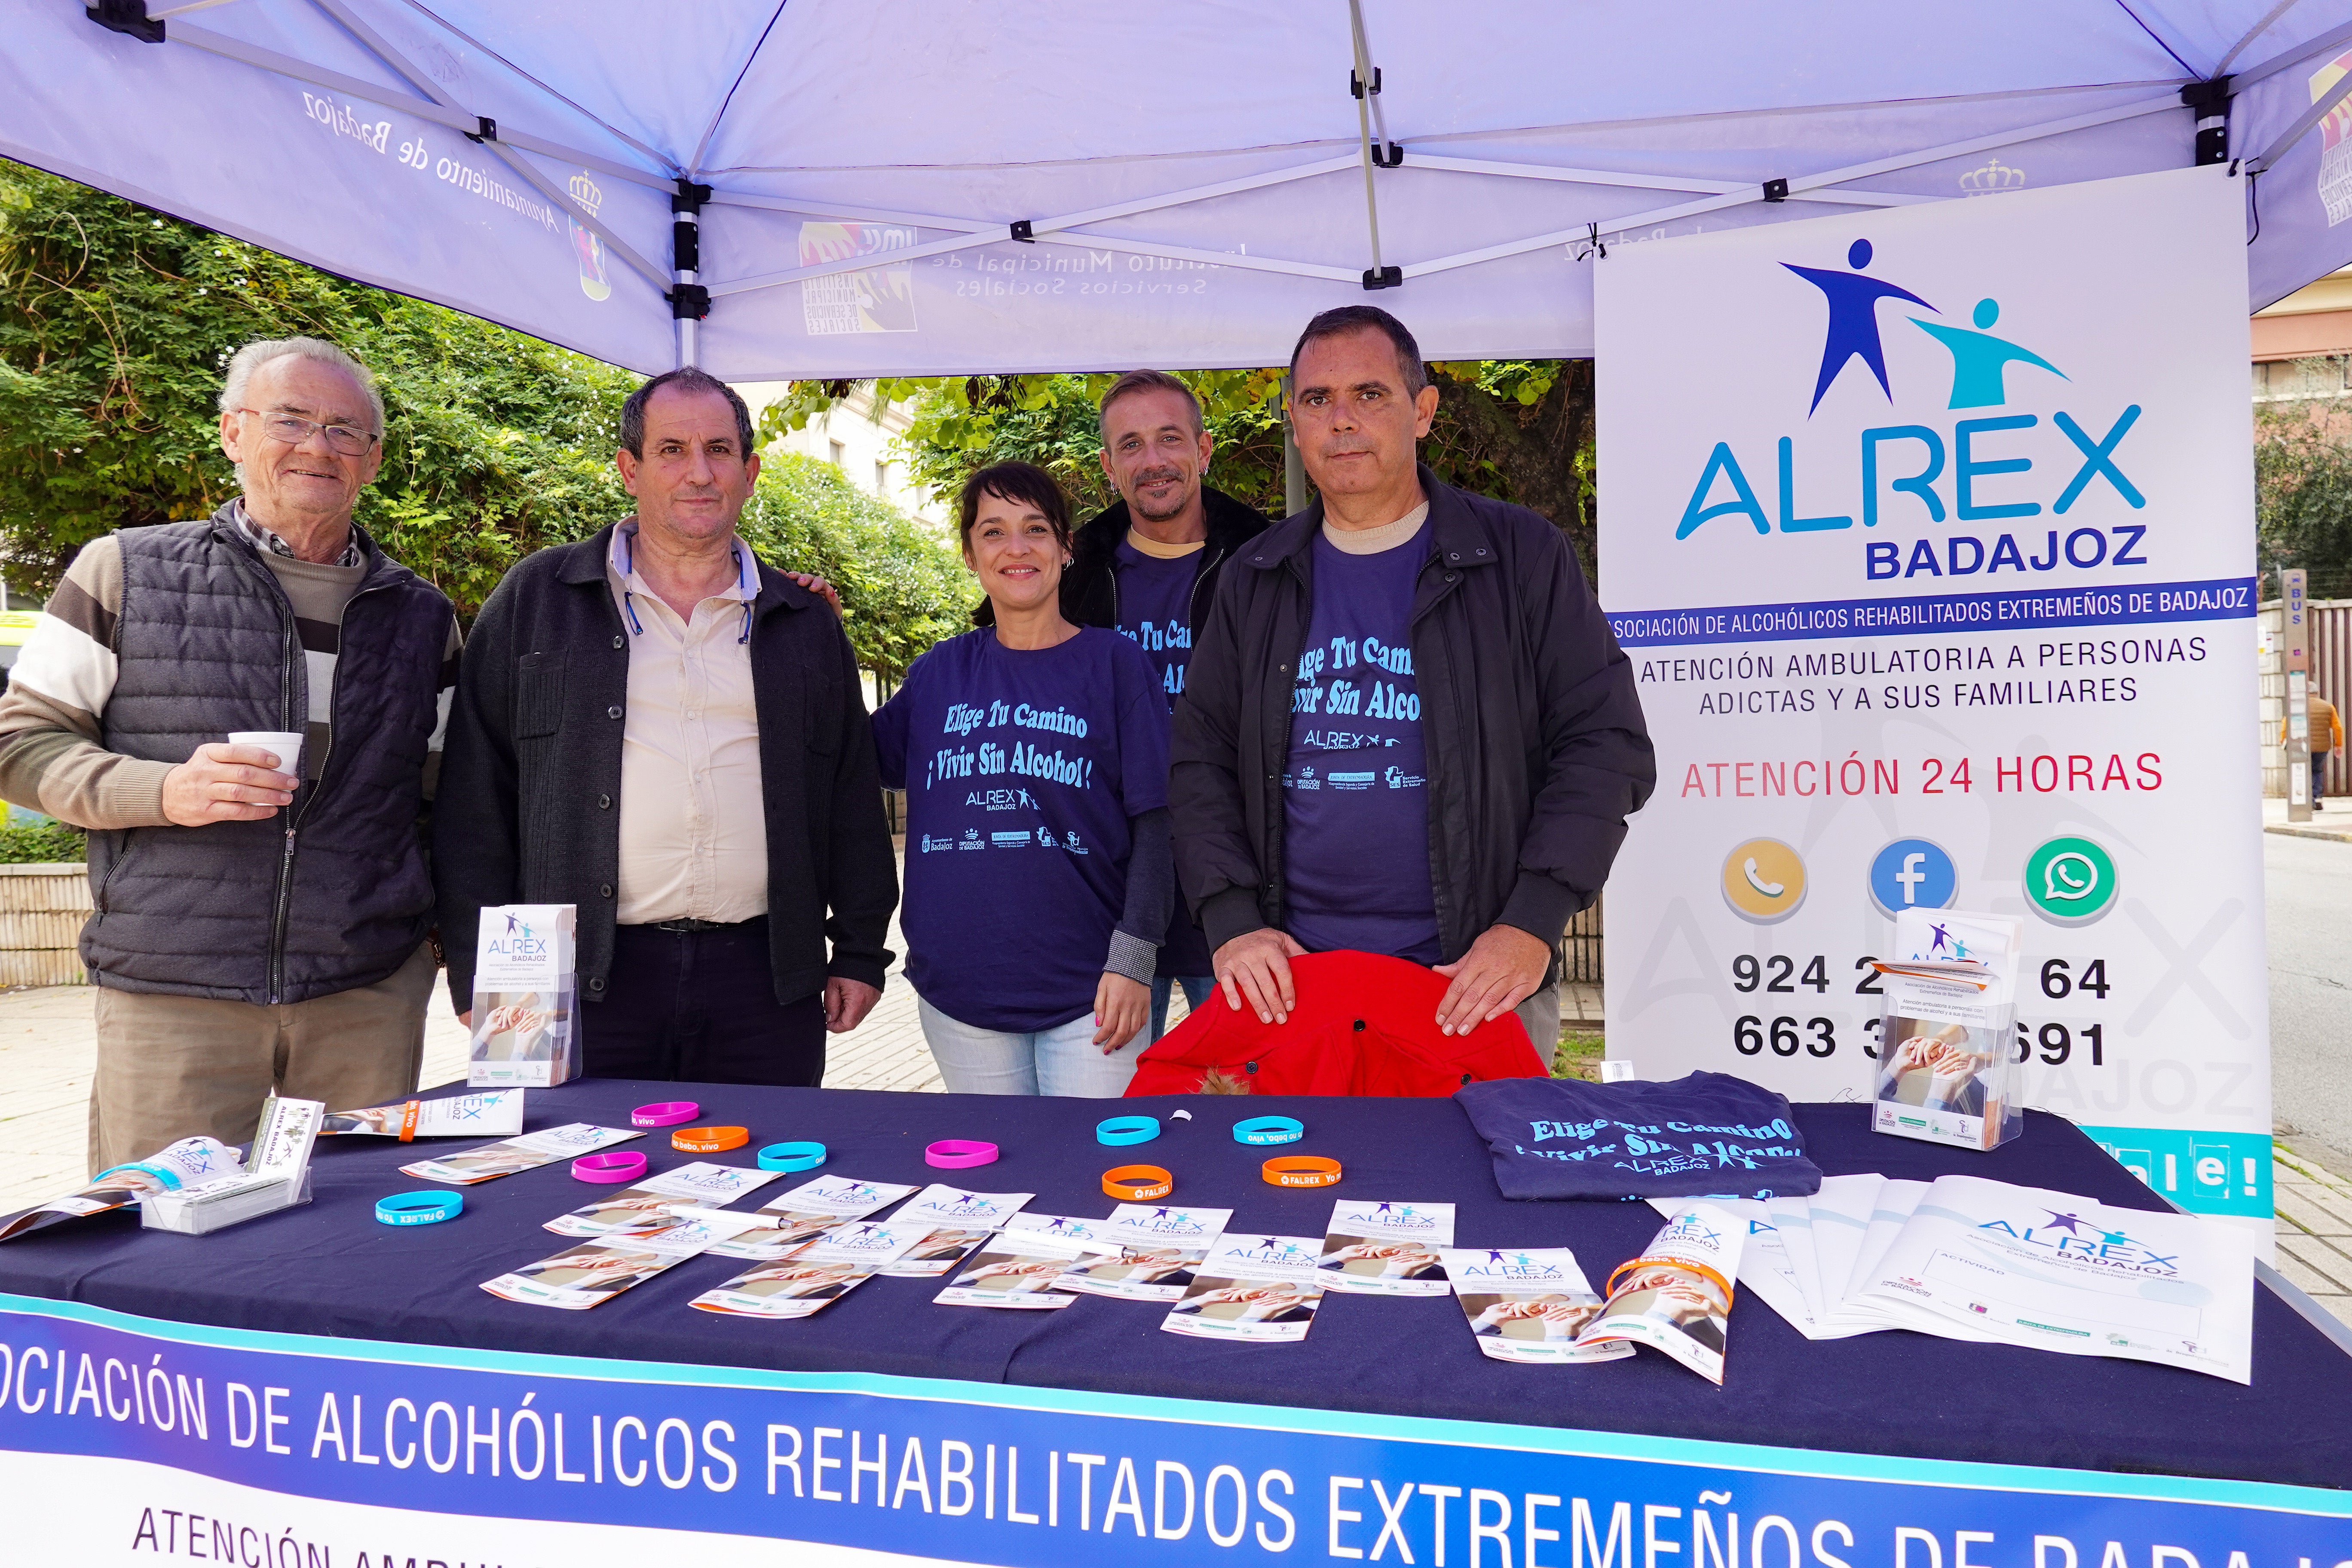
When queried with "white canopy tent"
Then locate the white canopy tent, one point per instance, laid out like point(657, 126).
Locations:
point(945, 186)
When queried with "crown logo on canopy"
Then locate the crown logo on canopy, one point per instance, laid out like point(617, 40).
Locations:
point(584, 192)
point(1994, 176)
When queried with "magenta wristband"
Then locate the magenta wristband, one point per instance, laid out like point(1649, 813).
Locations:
point(665, 1113)
point(959, 1153)
point(626, 1166)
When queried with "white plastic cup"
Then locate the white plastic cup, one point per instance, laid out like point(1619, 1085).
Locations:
point(286, 745)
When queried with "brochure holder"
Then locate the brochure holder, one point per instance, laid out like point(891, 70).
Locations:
point(1947, 1070)
point(526, 1031)
point(275, 1175)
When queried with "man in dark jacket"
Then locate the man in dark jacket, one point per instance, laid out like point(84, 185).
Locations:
point(1407, 728)
point(653, 727)
point(1148, 567)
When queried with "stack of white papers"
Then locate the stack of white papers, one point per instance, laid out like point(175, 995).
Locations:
point(1966, 1258)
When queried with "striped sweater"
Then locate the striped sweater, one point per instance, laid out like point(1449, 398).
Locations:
point(50, 758)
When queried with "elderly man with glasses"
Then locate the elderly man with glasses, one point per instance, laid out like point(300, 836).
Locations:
point(262, 909)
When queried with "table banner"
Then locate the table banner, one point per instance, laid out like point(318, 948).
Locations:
point(126, 1439)
point(1929, 532)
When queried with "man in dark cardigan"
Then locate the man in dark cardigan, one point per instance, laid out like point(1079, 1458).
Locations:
point(657, 729)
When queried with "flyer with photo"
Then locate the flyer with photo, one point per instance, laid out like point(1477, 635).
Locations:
point(713, 1186)
point(525, 1028)
point(1159, 1246)
point(527, 1152)
point(2056, 1272)
point(493, 1113)
point(275, 1176)
point(1387, 1250)
point(1676, 1295)
point(1252, 1287)
point(1765, 1266)
point(811, 1279)
point(1945, 1073)
point(183, 1163)
point(935, 1253)
point(958, 1220)
point(1528, 1304)
point(589, 1273)
point(810, 1208)
point(1014, 1269)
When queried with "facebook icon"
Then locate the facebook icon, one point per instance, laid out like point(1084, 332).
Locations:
point(1913, 874)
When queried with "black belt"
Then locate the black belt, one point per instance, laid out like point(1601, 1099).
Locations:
point(690, 927)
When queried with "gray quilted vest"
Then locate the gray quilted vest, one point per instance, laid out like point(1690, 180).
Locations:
point(331, 892)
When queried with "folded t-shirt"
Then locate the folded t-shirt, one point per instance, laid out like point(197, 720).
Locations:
point(1706, 1136)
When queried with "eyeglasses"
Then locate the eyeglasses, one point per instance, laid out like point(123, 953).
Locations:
point(293, 430)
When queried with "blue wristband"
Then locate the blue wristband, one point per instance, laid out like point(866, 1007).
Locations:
point(1269, 1129)
point(791, 1156)
point(419, 1208)
point(1128, 1130)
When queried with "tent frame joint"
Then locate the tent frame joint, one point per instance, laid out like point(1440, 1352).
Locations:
point(1383, 277)
point(486, 129)
point(1024, 230)
point(689, 198)
point(688, 301)
point(2211, 102)
point(128, 18)
point(1776, 190)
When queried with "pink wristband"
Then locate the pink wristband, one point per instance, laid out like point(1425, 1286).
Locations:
point(959, 1153)
point(667, 1113)
point(624, 1166)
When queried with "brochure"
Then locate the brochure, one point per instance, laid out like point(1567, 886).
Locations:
point(811, 1279)
point(2053, 1271)
point(189, 1161)
point(1841, 1212)
point(700, 1182)
point(1945, 1073)
point(811, 1208)
point(1387, 1250)
point(1675, 1295)
point(1892, 1208)
point(494, 1113)
point(959, 1219)
point(1014, 1269)
point(1765, 1265)
point(1260, 1289)
point(1528, 1304)
point(525, 1020)
point(1792, 1222)
point(591, 1272)
point(1159, 1247)
point(527, 1152)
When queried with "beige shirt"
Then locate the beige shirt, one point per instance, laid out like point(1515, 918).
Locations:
point(694, 841)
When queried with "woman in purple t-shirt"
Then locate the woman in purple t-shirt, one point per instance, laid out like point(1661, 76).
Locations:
point(1034, 757)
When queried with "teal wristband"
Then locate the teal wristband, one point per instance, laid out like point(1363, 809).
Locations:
point(1128, 1130)
point(420, 1208)
point(1269, 1129)
point(791, 1156)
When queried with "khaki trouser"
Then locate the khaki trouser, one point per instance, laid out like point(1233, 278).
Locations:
point(173, 1067)
point(1540, 1013)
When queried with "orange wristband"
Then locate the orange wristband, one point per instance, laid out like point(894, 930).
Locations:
point(1701, 1270)
point(1300, 1170)
point(708, 1140)
point(1137, 1184)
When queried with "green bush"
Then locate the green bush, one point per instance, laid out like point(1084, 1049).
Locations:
point(35, 843)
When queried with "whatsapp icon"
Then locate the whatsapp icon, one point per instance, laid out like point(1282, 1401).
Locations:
point(2070, 881)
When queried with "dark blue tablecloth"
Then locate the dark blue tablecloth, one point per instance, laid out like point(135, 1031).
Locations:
point(329, 1269)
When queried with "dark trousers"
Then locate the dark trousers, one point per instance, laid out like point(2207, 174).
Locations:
point(700, 1007)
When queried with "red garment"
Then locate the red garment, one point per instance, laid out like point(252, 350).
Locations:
point(1364, 1025)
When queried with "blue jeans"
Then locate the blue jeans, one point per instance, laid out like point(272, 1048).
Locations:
point(1059, 1061)
point(1196, 991)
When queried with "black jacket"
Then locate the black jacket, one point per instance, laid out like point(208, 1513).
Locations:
point(1534, 734)
point(527, 808)
point(1091, 586)
point(332, 893)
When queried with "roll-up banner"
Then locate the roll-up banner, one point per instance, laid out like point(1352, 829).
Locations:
point(1929, 534)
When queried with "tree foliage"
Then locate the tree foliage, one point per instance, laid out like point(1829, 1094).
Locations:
point(1520, 430)
point(115, 326)
point(2303, 495)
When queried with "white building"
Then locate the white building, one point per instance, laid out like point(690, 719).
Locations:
point(861, 441)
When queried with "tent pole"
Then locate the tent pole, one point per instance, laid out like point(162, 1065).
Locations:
point(689, 302)
point(1364, 81)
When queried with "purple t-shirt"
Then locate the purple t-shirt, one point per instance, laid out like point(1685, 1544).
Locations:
point(1155, 608)
point(1021, 768)
point(1356, 791)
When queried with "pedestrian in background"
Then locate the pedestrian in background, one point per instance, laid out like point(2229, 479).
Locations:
point(261, 911)
point(1146, 567)
point(1033, 752)
point(2326, 728)
point(656, 727)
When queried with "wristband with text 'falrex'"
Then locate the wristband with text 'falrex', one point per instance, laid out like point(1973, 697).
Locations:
point(1300, 1170)
point(419, 1208)
point(1137, 1184)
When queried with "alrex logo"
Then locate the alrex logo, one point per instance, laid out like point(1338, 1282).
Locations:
point(1967, 469)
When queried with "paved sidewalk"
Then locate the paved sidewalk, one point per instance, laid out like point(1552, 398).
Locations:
point(2315, 1228)
point(2333, 820)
